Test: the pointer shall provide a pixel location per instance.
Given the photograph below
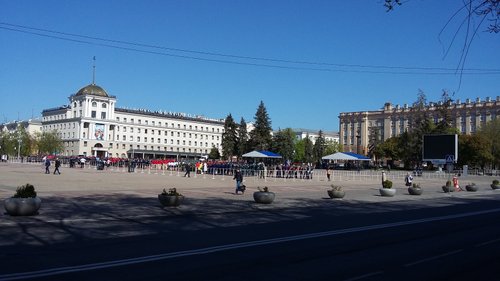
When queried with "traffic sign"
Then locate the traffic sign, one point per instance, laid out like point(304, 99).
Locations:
point(450, 159)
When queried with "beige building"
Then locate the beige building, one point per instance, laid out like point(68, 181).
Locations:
point(92, 125)
point(391, 121)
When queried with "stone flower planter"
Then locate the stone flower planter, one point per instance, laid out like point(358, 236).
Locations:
point(495, 186)
point(387, 192)
point(447, 189)
point(336, 193)
point(22, 206)
point(415, 191)
point(263, 197)
point(170, 200)
point(472, 188)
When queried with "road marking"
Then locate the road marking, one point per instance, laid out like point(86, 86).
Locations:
point(487, 242)
point(364, 276)
point(433, 258)
point(221, 248)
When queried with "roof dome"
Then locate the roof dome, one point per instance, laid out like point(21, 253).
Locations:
point(93, 90)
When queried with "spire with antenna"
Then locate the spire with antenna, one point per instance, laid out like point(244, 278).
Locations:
point(93, 73)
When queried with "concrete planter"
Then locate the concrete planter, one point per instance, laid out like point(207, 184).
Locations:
point(336, 193)
point(415, 191)
point(448, 188)
point(263, 197)
point(22, 206)
point(387, 192)
point(170, 200)
point(472, 188)
point(495, 186)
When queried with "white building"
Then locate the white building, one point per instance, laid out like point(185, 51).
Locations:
point(92, 125)
point(313, 135)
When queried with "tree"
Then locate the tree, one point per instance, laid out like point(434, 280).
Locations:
point(308, 150)
point(214, 153)
point(319, 147)
point(443, 126)
point(242, 138)
point(299, 155)
point(474, 150)
point(283, 143)
point(491, 132)
point(229, 141)
point(473, 11)
point(49, 143)
point(260, 136)
point(332, 146)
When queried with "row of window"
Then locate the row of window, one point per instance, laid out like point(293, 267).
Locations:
point(165, 133)
point(151, 147)
point(172, 125)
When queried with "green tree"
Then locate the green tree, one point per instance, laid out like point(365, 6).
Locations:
point(474, 150)
point(49, 143)
point(299, 155)
point(283, 143)
point(260, 136)
point(7, 143)
point(242, 138)
point(229, 141)
point(214, 153)
point(491, 132)
point(319, 147)
point(332, 146)
point(308, 150)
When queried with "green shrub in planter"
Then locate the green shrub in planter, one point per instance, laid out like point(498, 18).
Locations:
point(387, 184)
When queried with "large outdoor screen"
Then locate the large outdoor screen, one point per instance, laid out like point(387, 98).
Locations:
point(436, 148)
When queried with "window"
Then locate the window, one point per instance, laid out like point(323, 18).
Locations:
point(124, 119)
point(138, 139)
point(117, 118)
point(139, 130)
point(123, 137)
point(103, 105)
point(94, 104)
point(103, 115)
point(145, 131)
point(93, 114)
point(84, 144)
point(131, 129)
point(153, 123)
point(139, 121)
point(124, 129)
point(146, 121)
point(131, 120)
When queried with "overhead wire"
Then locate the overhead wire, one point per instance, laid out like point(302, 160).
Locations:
point(379, 69)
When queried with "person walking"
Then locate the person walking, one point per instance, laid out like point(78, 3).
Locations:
point(57, 164)
point(47, 165)
point(188, 170)
point(238, 176)
point(328, 173)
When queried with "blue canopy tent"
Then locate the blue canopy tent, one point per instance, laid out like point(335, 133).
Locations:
point(346, 156)
point(262, 154)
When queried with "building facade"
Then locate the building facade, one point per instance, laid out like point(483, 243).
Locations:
point(356, 127)
point(92, 125)
point(301, 134)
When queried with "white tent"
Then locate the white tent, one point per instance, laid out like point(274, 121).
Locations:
point(346, 156)
point(261, 154)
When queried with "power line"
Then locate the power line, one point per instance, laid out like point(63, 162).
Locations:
point(341, 67)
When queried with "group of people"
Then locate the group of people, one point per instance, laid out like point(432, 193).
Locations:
point(57, 165)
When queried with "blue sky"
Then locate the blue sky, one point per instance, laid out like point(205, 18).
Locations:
point(39, 72)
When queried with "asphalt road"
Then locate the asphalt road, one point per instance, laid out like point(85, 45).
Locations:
point(372, 241)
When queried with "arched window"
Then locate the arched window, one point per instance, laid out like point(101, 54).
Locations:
point(103, 105)
point(94, 104)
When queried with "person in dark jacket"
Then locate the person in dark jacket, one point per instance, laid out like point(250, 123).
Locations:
point(58, 164)
point(238, 176)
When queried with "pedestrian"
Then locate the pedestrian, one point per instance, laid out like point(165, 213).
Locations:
point(58, 164)
point(238, 176)
point(408, 179)
point(384, 178)
point(47, 165)
point(188, 170)
point(328, 173)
